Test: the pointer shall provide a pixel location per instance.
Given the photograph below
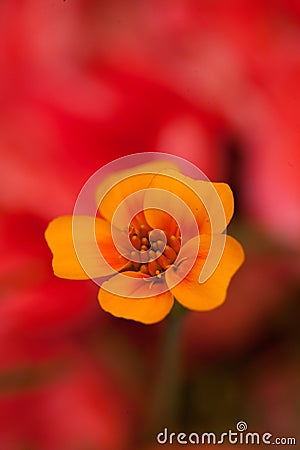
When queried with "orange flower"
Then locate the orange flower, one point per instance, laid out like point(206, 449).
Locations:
point(159, 235)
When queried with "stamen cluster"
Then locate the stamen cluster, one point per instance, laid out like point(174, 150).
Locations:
point(155, 250)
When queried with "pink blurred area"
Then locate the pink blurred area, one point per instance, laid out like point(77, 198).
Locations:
point(85, 82)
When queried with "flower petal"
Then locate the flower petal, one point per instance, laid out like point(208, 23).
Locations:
point(161, 220)
point(212, 293)
point(226, 196)
point(117, 187)
point(209, 202)
point(89, 234)
point(146, 310)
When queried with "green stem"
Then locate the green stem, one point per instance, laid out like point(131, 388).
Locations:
point(165, 406)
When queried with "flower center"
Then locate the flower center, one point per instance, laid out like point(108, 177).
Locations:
point(155, 250)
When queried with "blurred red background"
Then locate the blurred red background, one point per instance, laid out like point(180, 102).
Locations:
point(83, 82)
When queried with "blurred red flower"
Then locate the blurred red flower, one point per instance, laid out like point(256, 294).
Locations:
point(57, 397)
